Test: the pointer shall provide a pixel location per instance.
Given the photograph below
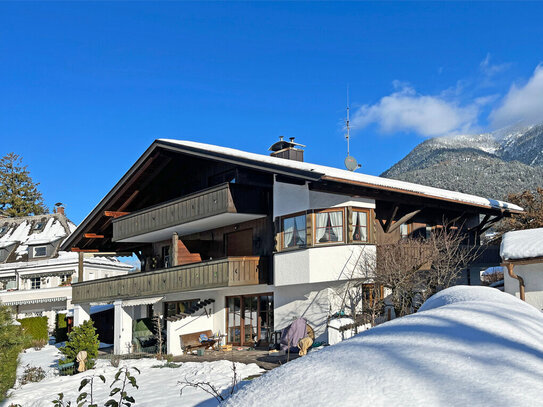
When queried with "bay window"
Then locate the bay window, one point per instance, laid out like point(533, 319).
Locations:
point(359, 222)
point(329, 227)
point(294, 231)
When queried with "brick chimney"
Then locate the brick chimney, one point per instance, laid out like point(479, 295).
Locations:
point(288, 150)
point(59, 208)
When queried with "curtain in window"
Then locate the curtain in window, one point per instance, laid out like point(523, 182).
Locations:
point(329, 227)
point(288, 232)
point(336, 221)
point(359, 220)
point(320, 229)
point(294, 233)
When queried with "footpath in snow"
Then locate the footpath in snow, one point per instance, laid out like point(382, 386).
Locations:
point(157, 386)
point(467, 346)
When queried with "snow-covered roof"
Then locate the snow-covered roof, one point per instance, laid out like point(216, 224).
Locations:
point(468, 346)
point(522, 244)
point(344, 175)
point(31, 231)
point(64, 258)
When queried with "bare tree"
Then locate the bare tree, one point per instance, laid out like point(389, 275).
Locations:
point(415, 269)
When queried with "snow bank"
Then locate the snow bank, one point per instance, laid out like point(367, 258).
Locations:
point(471, 346)
point(522, 244)
point(157, 386)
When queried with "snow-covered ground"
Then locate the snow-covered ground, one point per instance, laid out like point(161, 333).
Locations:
point(468, 346)
point(157, 386)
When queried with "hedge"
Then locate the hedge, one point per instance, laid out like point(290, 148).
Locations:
point(11, 340)
point(61, 328)
point(36, 328)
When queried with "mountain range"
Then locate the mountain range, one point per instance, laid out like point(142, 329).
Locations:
point(490, 164)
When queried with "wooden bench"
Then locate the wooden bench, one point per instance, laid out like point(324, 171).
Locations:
point(192, 341)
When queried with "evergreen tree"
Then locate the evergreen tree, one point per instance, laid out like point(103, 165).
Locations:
point(82, 337)
point(19, 195)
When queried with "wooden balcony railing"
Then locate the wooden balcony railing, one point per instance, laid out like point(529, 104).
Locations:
point(217, 200)
point(227, 272)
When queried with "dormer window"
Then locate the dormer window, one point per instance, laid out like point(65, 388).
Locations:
point(2, 229)
point(40, 251)
point(38, 226)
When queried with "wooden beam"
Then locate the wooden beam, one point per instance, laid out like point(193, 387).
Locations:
point(480, 225)
point(403, 219)
point(115, 214)
point(391, 218)
point(78, 250)
point(489, 224)
point(92, 236)
point(128, 201)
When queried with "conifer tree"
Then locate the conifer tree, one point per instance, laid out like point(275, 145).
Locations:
point(19, 195)
point(82, 337)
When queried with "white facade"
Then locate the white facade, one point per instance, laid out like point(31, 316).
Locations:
point(38, 288)
point(289, 198)
point(532, 275)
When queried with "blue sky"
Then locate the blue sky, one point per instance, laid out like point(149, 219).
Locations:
point(86, 87)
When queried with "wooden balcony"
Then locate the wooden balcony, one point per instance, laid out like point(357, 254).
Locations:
point(227, 272)
point(214, 207)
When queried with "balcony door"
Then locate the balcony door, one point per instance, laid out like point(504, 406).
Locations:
point(239, 243)
point(249, 319)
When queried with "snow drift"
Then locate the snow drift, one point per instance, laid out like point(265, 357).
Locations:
point(471, 346)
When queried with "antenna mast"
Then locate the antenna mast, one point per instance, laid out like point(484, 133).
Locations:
point(347, 136)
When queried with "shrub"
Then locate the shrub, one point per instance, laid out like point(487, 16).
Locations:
point(36, 329)
point(82, 338)
point(61, 328)
point(32, 374)
point(11, 343)
point(38, 344)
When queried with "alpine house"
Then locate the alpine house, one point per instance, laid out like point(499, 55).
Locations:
point(242, 244)
point(35, 277)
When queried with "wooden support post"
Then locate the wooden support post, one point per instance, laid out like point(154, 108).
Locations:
point(391, 218)
point(80, 268)
point(175, 250)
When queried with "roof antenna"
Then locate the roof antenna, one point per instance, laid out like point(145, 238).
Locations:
point(350, 162)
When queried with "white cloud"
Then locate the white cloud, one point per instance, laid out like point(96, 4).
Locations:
point(405, 110)
point(522, 104)
point(492, 69)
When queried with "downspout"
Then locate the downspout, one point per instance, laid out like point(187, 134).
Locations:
point(519, 278)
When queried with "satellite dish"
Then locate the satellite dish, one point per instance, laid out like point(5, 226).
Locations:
point(350, 163)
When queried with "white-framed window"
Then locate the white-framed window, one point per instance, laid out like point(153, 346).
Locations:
point(40, 251)
point(404, 231)
point(329, 226)
point(359, 221)
point(294, 231)
point(35, 283)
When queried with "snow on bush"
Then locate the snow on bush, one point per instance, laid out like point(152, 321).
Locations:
point(470, 346)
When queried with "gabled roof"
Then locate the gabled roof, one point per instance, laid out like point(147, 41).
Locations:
point(323, 172)
point(279, 166)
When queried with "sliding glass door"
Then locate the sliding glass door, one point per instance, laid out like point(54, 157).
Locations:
point(249, 319)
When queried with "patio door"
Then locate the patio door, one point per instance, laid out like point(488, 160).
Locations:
point(249, 319)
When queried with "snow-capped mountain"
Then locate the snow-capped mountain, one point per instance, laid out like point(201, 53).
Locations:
point(490, 164)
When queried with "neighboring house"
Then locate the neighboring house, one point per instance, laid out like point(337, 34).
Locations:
point(35, 276)
point(522, 254)
point(242, 244)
